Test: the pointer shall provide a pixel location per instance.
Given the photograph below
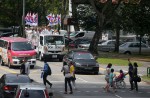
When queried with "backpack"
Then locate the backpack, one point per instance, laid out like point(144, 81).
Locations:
point(49, 72)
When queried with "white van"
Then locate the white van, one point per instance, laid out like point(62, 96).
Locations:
point(81, 35)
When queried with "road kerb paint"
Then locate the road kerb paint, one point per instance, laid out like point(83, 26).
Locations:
point(7, 70)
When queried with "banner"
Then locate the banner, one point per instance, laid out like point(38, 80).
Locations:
point(31, 19)
point(54, 19)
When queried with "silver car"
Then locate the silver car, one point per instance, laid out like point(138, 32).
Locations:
point(32, 90)
point(133, 48)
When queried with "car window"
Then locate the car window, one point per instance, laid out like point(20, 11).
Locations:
point(143, 45)
point(21, 46)
point(83, 55)
point(33, 94)
point(17, 79)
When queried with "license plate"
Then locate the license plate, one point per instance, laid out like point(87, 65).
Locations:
point(54, 56)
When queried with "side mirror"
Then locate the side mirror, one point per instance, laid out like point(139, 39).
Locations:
point(41, 42)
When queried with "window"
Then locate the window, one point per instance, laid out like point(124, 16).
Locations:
point(80, 34)
point(5, 45)
point(17, 79)
point(33, 93)
point(21, 46)
point(1, 43)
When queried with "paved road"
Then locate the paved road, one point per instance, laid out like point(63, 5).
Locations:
point(87, 85)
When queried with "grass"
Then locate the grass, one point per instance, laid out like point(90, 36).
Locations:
point(115, 61)
point(145, 78)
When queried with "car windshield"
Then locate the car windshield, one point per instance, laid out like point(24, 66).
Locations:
point(17, 79)
point(32, 94)
point(123, 45)
point(72, 34)
point(54, 40)
point(83, 55)
point(21, 46)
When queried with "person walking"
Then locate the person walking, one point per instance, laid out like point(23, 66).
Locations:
point(130, 72)
point(111, 80)
point(135, 75)
point(22, 68)
point(66, 70)
point(46, 71)
point(72, 72)
point(108, 70)
point(25, 67)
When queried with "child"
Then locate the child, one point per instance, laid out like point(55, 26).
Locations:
point(111, 78)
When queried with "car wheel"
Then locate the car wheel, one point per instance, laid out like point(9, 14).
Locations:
point(1, 61)
point(32, 66)
point(128, 52)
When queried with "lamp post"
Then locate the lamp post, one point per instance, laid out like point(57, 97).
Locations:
point(23, 19)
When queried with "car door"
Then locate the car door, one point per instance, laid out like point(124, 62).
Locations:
point(144, 49)
point(133, 48)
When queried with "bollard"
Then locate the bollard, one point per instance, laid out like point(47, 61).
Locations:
point(148, 71)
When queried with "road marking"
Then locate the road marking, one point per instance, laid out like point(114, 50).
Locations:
point(118, 96)
point(82, 79)
point(8, 70)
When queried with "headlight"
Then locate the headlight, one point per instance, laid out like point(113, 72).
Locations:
point(78, 64)
point(97, 64)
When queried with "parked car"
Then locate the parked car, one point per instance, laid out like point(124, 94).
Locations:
point(81, 35)
point(9, 83)
point(32, 91)
point(133, 48)
point(77, 42)
point(82, 60)
point(108, 45)
point(86, 44)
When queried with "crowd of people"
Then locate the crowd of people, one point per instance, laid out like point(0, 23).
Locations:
point(32, 33)
point(111, 77)
point(69, 75)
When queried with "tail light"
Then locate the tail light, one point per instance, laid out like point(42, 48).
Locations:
point(18, 94)
point(45, 49)
point(5, 88)
point(46, 94)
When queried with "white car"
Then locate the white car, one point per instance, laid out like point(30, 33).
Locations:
point(133, 48)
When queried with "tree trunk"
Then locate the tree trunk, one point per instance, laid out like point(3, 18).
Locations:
point(140, 44)
point(74, 14)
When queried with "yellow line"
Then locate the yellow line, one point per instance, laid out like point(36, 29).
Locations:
point(7, 70)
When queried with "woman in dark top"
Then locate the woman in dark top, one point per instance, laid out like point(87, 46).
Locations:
point(130, 72)
point(135, 71)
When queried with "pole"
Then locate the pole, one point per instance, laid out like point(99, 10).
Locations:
point(68, 36)
point(23, 19)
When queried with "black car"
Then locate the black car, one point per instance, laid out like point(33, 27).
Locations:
point(10, 82)
point(82, 60)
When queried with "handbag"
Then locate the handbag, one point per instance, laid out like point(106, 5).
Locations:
point(138, 79)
